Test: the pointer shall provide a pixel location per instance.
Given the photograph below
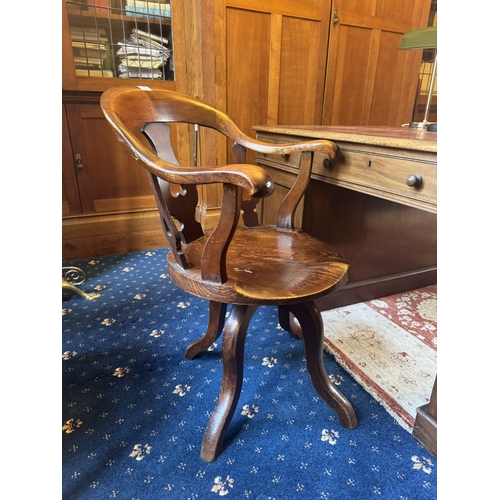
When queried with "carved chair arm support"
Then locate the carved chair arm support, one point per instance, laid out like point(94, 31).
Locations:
point(213, 258)
point(288, 206)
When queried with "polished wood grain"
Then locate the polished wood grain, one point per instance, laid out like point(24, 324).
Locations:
point(90, 236)
point(425, 427)
point(386, 136)
point(362, 205)
point(267, 53)
point(369, 80)
point(389, 230)
point(372, 165)
point(70, 193)
point(242, 266)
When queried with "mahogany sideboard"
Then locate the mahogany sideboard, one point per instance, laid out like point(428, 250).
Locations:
point(377, 204)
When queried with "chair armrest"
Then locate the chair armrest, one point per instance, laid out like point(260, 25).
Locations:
point(317, 146)
point(252, 178)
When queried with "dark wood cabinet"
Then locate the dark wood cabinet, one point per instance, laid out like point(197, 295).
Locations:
point(107, 202)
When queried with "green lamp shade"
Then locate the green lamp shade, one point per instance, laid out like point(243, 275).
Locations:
point(421, 38)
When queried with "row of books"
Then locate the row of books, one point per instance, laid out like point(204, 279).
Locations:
point(90, 51)
point(156, 8)
point(143, 55)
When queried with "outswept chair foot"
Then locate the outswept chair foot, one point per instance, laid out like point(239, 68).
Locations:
point(311, 324)
point(216, 318)
point(233, 345)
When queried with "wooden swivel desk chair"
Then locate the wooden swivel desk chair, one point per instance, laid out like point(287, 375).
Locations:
point(242, 266)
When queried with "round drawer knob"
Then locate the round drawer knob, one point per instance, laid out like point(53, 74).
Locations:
point(328, 163)
point(414, 180)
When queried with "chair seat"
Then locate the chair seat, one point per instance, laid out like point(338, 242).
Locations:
point(266, 266)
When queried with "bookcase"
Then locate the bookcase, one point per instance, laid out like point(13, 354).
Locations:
point(125, 39)
point(107, 203)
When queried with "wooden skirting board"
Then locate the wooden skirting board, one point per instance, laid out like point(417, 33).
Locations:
point(99, 235)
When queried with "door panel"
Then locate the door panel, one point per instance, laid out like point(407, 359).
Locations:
point(110, 180)
point(70, 195)
point(270, 61)
point(369, 81)
point(247, 77)
point(300, 51)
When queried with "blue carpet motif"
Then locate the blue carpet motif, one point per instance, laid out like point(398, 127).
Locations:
point(134, 409)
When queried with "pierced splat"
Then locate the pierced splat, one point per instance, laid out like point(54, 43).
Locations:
point(176, 203)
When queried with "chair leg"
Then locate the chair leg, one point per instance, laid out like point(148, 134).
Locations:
point(311, 323)
point(287, 322)
point(233, 345)
point(216, 318)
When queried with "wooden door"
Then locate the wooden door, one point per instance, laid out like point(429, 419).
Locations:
point(270, 61)
point(109, 179)
point(70, 194)
point(369, 81)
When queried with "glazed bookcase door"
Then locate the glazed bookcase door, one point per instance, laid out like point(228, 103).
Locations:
point(109, 40)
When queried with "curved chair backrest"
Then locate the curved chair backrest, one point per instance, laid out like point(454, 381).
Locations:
point(134, 111)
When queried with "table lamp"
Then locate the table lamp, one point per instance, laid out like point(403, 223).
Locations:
point(422, 38)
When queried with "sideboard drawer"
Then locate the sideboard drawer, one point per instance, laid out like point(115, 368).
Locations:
point(291, 161)
point(384, 175)
point(378, 171)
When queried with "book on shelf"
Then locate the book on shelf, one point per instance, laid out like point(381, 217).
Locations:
point(89, 46)
point(142, 62)
point(103, 73)
point(153, 8)
point(149, 39)
point(88, 61)
point(154, 4)
point(90, 52)
point(147, 12)
point(151, 4)
point(143, 73)
point(78, 33)
point(134, 50)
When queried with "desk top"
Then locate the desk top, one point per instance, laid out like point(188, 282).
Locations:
point(396, 137)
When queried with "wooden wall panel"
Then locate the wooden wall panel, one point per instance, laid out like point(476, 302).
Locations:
point(349, 86)
point(300, 53)
point(70, 194)
point(270, 61)
point(247, 74)
point(369, 81)
point(386, 96)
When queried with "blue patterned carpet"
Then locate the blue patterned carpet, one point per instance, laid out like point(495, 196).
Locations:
point(135, 410)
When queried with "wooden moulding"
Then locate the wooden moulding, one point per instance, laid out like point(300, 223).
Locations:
point(425, 427)
point(425, 430)
point(99, 235)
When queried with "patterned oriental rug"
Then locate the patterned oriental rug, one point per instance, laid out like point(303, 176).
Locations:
point(134, 410)
point(389, 346)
